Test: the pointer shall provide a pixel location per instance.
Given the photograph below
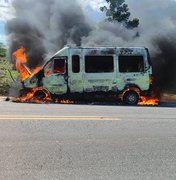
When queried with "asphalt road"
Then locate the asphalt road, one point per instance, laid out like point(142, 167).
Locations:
point(87, 142)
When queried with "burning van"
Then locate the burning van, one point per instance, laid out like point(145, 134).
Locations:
point(106, 72)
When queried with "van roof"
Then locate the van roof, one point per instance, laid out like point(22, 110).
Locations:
point(104, 47)
point(98, 48)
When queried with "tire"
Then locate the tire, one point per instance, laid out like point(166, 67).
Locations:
point(39, 94)
point(131, 98)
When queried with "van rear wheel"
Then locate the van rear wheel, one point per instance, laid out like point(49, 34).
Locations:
point(131, 98)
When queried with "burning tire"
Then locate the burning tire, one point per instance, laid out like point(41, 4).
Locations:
point(42, 94)
point(131, 97)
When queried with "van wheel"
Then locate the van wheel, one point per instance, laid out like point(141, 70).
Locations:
point(131, 98)
point(39, 95)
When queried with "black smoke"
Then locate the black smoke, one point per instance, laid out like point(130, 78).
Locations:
point(45, 26)
point(158, 33)
point(164, 62)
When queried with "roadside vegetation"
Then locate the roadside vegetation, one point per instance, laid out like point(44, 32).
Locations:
point(7, 74)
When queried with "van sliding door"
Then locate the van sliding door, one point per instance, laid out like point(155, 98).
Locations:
point(100, 73)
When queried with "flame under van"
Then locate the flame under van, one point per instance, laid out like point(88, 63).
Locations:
point(104, 72)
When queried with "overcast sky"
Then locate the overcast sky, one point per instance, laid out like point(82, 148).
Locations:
point(93, 4)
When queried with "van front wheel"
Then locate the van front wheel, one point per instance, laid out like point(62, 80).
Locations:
point(131, 98)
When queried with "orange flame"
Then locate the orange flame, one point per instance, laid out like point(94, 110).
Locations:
point(148, 101)
point(64, 101)
point(30, 97)
point(153, 100)
point(20, 59)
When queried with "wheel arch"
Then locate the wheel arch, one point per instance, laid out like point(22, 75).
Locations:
point(132, 87)
point(41, 89)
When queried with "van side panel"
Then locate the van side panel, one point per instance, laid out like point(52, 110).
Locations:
point(55, 84)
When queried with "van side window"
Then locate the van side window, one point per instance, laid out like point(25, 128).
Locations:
point(99, 64)
point(59, 66)
point(131, 64)
point(75, 64)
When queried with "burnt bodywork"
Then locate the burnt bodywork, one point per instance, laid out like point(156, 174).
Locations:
point(94, 72)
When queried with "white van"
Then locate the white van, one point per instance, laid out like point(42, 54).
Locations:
point(75, 72)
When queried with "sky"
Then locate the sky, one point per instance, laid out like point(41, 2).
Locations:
point(2, 32)
point(4, 15)
point(92, 4)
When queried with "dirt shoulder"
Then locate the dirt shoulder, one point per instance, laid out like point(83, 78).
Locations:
point(168, 98)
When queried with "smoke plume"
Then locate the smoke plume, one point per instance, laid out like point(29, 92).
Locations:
point(158, 24)
point(44, 26)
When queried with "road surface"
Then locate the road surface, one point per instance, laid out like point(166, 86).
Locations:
point(87, 142)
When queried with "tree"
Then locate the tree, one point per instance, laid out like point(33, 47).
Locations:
point(119, 11)
point(2, 50)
